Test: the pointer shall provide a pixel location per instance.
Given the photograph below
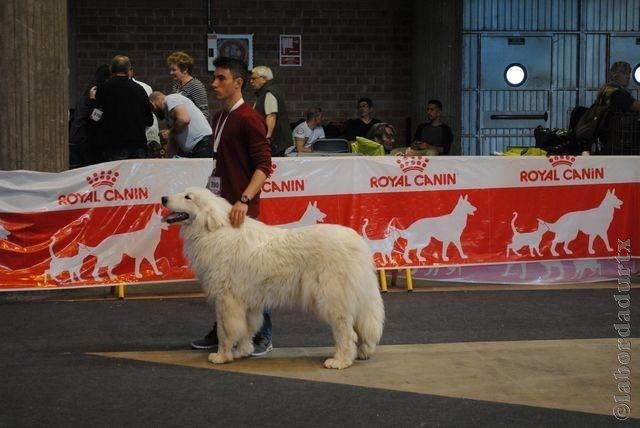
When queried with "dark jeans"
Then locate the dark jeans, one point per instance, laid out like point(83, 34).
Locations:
point(266, 325)
point(202, 149)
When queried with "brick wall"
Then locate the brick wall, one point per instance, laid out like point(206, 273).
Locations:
point(349, 48)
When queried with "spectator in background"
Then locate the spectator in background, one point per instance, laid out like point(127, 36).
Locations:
point(308, 132)
point(434, 137)
point(616, 94)
point(271, 105)
point(180, 69)
point(383, 133)
point(360, 127)
point(83, 143)
point(152, 132)
point(189, 133)
point(621, 98)
point(122, 107)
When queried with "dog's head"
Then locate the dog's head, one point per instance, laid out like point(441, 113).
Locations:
point(197, 206)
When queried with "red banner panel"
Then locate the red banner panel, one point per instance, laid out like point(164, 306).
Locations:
point(487, 219)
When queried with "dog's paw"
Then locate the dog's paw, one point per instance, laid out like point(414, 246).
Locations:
point(243, 350)
point(362, 355)
point(217, 358)
point(332, 363)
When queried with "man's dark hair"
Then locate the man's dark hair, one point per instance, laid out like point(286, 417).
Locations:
point(101, 76)
point(120, 64)
point(237, 67)
point(366, 100)
point(436, 103)
point(313, 112)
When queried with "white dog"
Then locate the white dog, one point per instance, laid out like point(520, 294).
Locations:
point(326, 269)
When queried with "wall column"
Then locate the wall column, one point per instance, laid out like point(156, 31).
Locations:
point(437, 61)
point(34, 85)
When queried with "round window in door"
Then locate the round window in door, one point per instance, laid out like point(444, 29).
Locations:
point(636, 74)
point(515, 74)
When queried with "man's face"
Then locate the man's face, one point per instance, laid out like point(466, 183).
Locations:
point(224, 85)
point(624, 77)
point(363, 109)
point(257, 81)
point(433, 112)
point(177, 74)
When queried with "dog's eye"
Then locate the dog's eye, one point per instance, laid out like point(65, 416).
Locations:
point(187, 197)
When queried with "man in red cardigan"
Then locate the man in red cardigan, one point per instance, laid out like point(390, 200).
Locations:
point(242, 164)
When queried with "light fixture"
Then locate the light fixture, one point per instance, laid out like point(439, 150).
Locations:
point(636, 74)
point(515, 74)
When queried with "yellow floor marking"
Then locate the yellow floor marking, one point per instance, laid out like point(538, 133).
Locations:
point(561, 374)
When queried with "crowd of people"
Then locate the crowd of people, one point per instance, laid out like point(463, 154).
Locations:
point(118, 118)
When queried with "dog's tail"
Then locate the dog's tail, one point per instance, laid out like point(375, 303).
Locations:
point(369, 321)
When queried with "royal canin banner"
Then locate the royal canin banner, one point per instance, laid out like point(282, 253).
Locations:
point(473, 219)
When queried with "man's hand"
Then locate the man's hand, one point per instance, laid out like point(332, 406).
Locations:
point(238, 213)
point(165, 134)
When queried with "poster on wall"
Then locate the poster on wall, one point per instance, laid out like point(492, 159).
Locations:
point(238, 46)
point(291, 49)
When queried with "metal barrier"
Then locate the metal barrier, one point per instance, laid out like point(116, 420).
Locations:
point(624, 137)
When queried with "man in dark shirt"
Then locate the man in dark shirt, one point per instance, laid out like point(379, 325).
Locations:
point(360, 127)
point(124, 112)
point(432, 138)
point(617, 126)
point(621, 99)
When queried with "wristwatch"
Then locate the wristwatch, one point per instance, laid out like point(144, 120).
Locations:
point(245, 199)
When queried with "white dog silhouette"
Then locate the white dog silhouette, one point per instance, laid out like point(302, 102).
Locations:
point(311, 216)
point(447, 229)
point(593, 222)
point(140, 244)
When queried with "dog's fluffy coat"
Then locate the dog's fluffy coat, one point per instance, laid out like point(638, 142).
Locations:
point(326, 269)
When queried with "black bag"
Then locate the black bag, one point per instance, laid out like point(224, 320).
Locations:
point(556, 141)
point(592, 125)
point(592, 122)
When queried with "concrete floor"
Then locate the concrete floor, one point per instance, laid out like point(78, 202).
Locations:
point(471, 357)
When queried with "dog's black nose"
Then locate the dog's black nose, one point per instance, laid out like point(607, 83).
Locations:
point(164, 200)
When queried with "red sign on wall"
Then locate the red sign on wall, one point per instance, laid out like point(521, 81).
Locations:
point(290, 49)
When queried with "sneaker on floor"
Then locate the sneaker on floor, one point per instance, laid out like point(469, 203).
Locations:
point(261, 345)
point(210, 341)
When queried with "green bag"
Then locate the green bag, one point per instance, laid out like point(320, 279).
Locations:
point(524, 151)
point(367, 147)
